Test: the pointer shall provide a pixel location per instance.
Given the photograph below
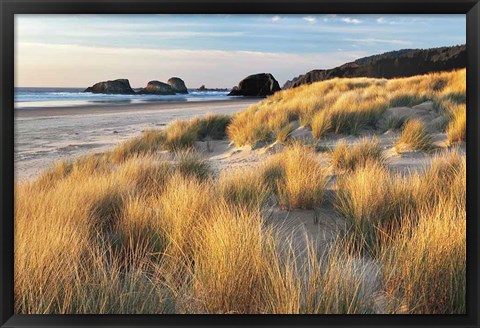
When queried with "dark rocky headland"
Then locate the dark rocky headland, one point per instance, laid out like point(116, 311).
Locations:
point(401, 63)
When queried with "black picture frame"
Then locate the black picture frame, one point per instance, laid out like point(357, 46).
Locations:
point(471, 8)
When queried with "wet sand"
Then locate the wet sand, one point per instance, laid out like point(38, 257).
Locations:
point(43, 136)
point(123, 107)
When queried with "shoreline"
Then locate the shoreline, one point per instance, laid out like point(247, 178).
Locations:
point(125, 108)
point(44, 136)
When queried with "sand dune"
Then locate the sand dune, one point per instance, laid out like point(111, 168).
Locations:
point(274, 210)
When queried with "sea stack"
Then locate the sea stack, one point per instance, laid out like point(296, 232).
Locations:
point(177, 85)
point(257, 85)
point(157, 88)
point(120, 86)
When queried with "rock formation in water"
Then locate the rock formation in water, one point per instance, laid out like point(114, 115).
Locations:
point(205, 89)
point(120, 86)
point(177, 85)
point(157, 88)
point(257, 85)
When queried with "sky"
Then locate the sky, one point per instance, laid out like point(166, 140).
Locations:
point(213, 50)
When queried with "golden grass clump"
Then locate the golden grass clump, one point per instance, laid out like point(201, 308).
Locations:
point(245, 129)
point(377, 203)
point(299, 180)
point(425, 264)
point(356, 110)
point(364, 199)
point(213, 126)
point(284, 133)
point(147, 174)
point(84, 165)
point(149, 142)
point(457, 127)
point(228, 262)
point(139, 230)
point(185, 211)
point(414, 136)
point(348, 282)
point(177, 136)
point(181, 134)
point(347, 157)
point(191, 164)
point(55, 234)
point(183, 204)
point(243, 187)
point(320, 124)
point(435, 183)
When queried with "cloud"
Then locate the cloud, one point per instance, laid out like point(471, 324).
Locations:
point(370, 41)
point(328, 17)
point(48, 65)
point(112, 32)
point(276, 18)
point(310, 19)
point(350, 20)
point(383, 20)
point(334, 17)
point(187, 34)
point(403, 20)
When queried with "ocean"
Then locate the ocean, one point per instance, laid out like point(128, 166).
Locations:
point(32, 98)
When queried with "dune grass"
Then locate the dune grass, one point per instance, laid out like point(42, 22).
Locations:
point(191, 164)
point(142, 230)
point(425, 264)
point(320, 124)
point(149, 142)
point(364, 199)
point(414, 136)
point(407, 99)
point(171, 241)
point(377, 203)
point(178, 136)
point(213, 126)
point(167, 241)
point(243, 187)
point(349, 106)
point(297, 177)
point(348, 157)
point(284, 133)
point(457, 126)
point(220, 258)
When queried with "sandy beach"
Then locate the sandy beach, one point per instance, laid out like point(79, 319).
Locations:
point(43, 136)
